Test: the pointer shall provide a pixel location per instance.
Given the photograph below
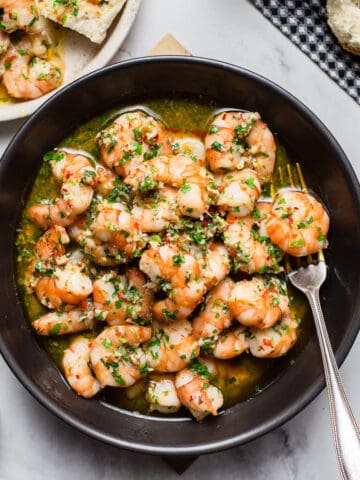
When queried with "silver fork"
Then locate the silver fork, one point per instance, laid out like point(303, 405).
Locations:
point(345, 430)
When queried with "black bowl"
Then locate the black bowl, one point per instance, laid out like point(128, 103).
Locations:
point(328, 173)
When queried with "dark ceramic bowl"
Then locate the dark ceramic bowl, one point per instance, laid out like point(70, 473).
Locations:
point(328, 173)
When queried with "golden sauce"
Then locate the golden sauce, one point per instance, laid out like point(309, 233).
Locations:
point(240, 378)
point(4, 96)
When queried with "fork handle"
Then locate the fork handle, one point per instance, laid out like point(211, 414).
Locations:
point(345, 430)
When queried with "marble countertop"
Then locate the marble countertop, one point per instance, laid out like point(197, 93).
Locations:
point(36, 445)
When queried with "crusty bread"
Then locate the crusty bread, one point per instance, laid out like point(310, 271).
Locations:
point(88, 18)
point(344, 20)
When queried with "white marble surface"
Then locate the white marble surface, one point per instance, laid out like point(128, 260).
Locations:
point(37, 446)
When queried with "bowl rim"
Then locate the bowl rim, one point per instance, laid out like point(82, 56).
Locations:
point(349, 338)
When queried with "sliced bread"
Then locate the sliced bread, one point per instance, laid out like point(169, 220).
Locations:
point(90, 18)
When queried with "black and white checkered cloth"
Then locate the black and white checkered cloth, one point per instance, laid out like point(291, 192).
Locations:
point(305, 24)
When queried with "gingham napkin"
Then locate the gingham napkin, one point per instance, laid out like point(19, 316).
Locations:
point(305, 24)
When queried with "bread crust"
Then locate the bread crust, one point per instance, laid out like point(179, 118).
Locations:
point(344, 21)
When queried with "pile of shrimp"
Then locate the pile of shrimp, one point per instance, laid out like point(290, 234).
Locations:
point(164, 252)
point(29, 64)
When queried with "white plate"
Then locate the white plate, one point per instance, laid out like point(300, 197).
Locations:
point(81, 57)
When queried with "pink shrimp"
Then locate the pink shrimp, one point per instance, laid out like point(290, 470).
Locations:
point(77, 175)
point(298, 223)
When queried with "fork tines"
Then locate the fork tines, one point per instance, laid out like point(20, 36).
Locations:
point(294, 263)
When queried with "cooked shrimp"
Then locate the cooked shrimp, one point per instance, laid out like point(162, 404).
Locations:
point(70, 168)
point(67, 286)
point(210, 364)
point(162, 395)
point(48, 252)
point(113, 224)
point(52, 243)
point(75, 320)
point(240, 191)
point(172, 347)
point(25, 47)
point(262, 148)
point(4, 43)
point(249, 244)
point(231, 343)
point(214, 263)
point(196, 392)
point(259, 302)
point(157, 212)
point(76, 174)
point(176, 229)
point(32, 80)
point(168, 263)
point(19, 15)
point(28, 69)
point(76, 360)
point(191, 146)
point(237, 140)
point(195, 183)
point(105, 180)
point(114, 355)
point(274, 341)
point(121, 299)
point(298, 224)
point(104, 254)
point(12, 56)
point(224, 142)
point(216, 315)
point(171, 170)
point(194, 196)
point(132, 138)
point(24, 50)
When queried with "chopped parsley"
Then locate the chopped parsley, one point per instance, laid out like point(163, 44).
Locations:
point(185, 188)
point(297, 243)
point(55, 329)
point(217, 146)
point(169, 315)
point(32, 21)
point(147, 184)
point(250, 182)
point(53, 155)
point(256, 214)
point(305, 223)
point(213, 129)
point(43, 269)
point(106, 343)
point(154, 152)
point(119, 193)
point(178, 259)
point(200, 368)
